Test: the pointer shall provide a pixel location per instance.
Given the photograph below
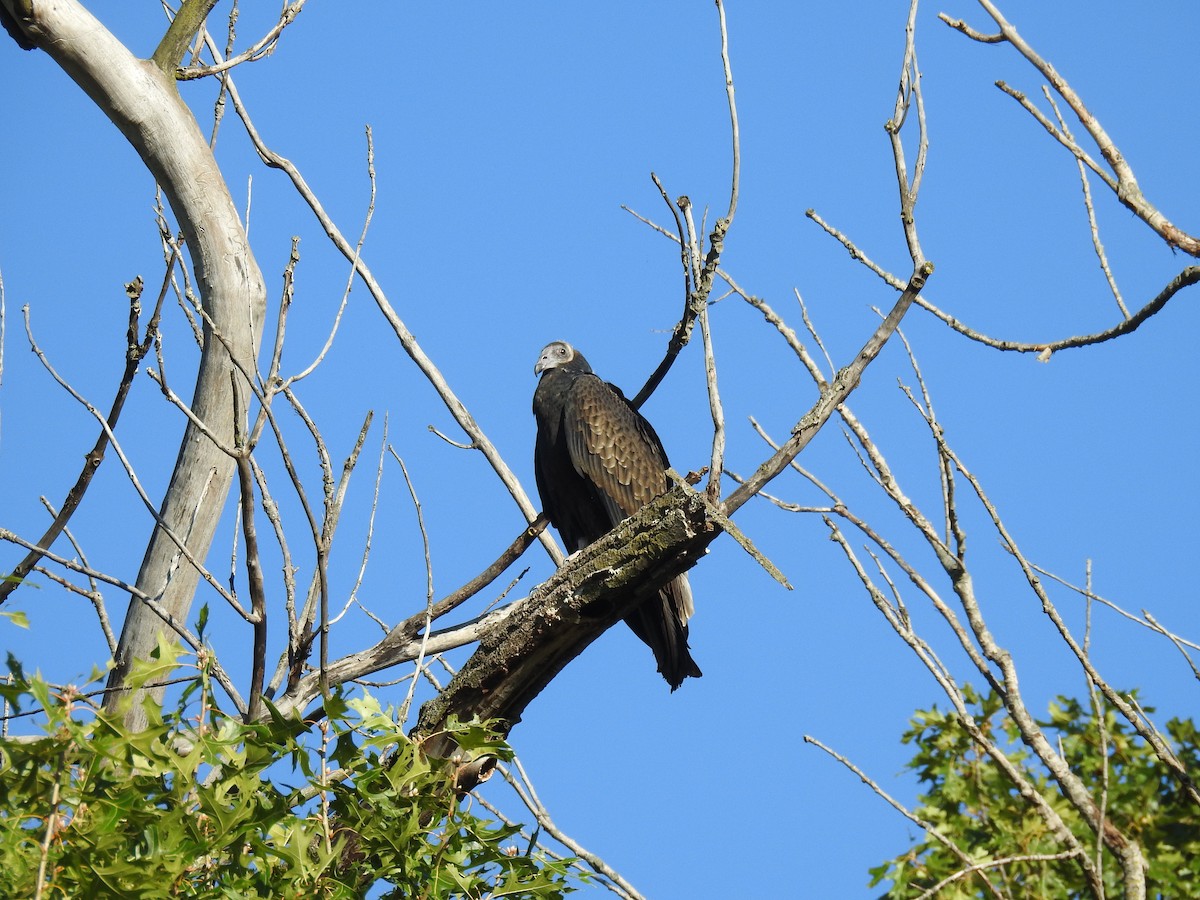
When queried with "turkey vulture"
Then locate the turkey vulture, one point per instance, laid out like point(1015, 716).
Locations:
point(598, 461)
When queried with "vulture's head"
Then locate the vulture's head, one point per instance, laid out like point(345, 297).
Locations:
point(560, 355)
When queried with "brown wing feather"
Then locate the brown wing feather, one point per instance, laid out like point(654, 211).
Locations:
point(609, 445)
point(622, 467)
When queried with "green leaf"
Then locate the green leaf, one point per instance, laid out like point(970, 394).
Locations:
point(972, 801)
point(198, 802)
point(17, 617)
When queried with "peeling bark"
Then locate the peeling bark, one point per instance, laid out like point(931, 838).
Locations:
point(519, 656)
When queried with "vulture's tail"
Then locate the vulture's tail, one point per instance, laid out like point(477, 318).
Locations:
point(661, 622)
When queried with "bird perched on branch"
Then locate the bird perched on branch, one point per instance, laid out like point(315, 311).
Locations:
point(597, 462)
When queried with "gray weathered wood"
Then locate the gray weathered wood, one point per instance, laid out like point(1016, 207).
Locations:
point(142, 101)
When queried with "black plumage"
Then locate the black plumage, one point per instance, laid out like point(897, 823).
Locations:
point(598, 461)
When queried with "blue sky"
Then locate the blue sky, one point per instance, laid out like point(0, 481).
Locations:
point(506, 142)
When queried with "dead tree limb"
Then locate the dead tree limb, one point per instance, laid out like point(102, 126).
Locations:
point(522, 653)
point(596, 588)
point(142, 101)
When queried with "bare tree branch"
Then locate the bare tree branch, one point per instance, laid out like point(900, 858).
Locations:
point(1093, 225)
point(520, 654)
point(407, 340)
point(111, 440)
point(698, 276)
point(188, 20)
point(832, 396)
point(910, 91)
point(523, 786)
point(143, 103)
point(261, 49)
point(93, 591)
point(1126, 186)
point(254, 574)
point(1186, 278)
point(970, 866)
point(403, 643)
point(136, 349)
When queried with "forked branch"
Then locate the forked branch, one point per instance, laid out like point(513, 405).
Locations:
point(698, 274)
point(1125, 184)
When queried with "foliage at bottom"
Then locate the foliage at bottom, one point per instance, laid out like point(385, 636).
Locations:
point(968, 799)
point(199, 805)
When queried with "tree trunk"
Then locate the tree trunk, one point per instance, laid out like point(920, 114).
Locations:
point(143, 102)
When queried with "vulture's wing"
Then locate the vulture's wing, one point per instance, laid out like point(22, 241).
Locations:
point(614, 447)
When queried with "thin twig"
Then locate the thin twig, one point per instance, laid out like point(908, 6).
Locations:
point(92, 593)
point(1147, 622)
point(717, 458)
point(681, 334)
point(909, 90)
point(411, 627)
point(254, 574)
point(1093, 225)
point(832, 396)
point(263, 48)
point(362, 237)
point(130, 473)
point(1188, 277)
point(734, 133)
point(60, 772)
point(1098, 713)
point(698, 274)
point(366, 553)
point(1126, 186)
point(407, 340)
point(525, 791)
point(925, 825)
point(136, 348)
point(412, 491)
